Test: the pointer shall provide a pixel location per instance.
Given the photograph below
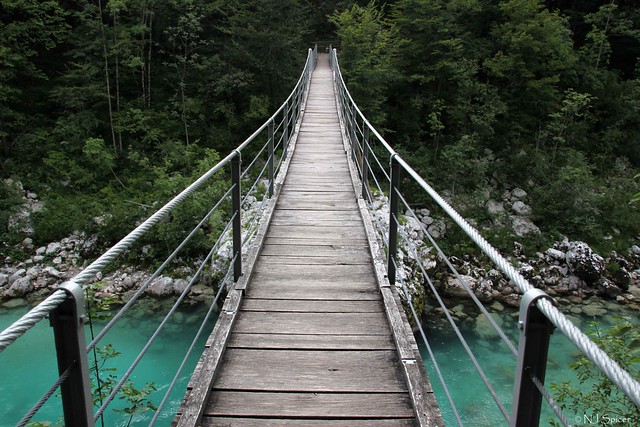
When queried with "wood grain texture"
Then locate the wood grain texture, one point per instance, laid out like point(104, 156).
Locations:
point(312, 343)
point(376, 371)
point(316, 405)
point(302, 422)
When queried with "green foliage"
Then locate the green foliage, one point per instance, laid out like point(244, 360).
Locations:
point(368, 44)
point(597, 394)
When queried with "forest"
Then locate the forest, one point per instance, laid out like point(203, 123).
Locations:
point(111, 106)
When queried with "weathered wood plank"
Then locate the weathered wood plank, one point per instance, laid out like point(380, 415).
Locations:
point(210, 361)
point(324, 291)
point(376, 371)
point(284, 261)
point(313, 306)
point(302, 422)
point(311, 342)
point(316, 250)
point(317, 405)
point(319, 241)
point(316, 275)
point(312, 323)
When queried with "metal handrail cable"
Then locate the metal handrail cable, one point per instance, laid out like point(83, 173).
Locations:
point(462, 282)
point(116, 389)
point(608, 366)
point(159, 270)
point(432, 356)
point(475, 363)
point(176, 377)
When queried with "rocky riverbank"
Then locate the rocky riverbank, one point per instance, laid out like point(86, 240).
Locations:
point(569, 271)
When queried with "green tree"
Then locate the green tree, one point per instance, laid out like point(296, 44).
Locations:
point(597, 394)
point(368, 42)
point(28, 30)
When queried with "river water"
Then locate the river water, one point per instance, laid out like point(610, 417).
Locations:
point(28, 367)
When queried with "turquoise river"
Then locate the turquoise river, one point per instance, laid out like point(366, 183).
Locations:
point(29, 367)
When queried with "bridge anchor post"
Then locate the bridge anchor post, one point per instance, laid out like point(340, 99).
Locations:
point(393, 218)
point(68, 321)
point(535, 332)
point(236, 206)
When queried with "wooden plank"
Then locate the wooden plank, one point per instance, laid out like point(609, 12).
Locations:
point(324, 291)
point(300, 422)
point(317, 195)
point(306, 405)
point(211, 358)
point(302, 214)
point(311, 342)
point(284, 261)
point(311, 323)
point(316, 275)
point(316, 250)
point(319, 241)
point(376, 371)
point(313, 306)
point(315, 232)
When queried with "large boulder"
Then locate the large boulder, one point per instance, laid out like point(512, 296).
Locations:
point(584, 263)
point(523, 226)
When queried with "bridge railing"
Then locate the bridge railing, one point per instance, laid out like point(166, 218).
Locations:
point(538, 314)
point(65, 307)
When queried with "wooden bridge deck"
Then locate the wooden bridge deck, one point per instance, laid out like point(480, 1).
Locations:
point(311, 341)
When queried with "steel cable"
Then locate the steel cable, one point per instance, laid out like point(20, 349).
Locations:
point(160, 269)
point(29, 320)
point(46, 396)
point(190, 349)
point(479, 369)
point(432, 356)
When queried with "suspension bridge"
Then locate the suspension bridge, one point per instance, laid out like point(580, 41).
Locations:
point(312, 330)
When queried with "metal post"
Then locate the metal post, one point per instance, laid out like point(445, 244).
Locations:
point(352, 133)
point(535, 331)
point(271, 156)
point(393, 218)
point(236, 194)
point(67, 321)
point(285, 122)
point(365, 160)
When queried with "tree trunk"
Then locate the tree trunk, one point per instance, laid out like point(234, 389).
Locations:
point(117, 64)
point(106, 75)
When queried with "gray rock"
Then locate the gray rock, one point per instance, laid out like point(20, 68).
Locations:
point(520, 208)
point(38, 258)
point(495, 208)
point(523, 226)
point(19, 288)
point(455, 288)
point(4, 279)
point(518, 194)
point(180, 285)
point(594, 310)
point(161, 287)
point(17, 275)
point(484, 328)
point(41, 250)
point(437, 229)
point(584, 263)
point(426, 220)
point(608, 288)
point(53, 248)
point(635, 250)
point(27, 243)
point(15, 303)
point(52, 272)
point(555, 255)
